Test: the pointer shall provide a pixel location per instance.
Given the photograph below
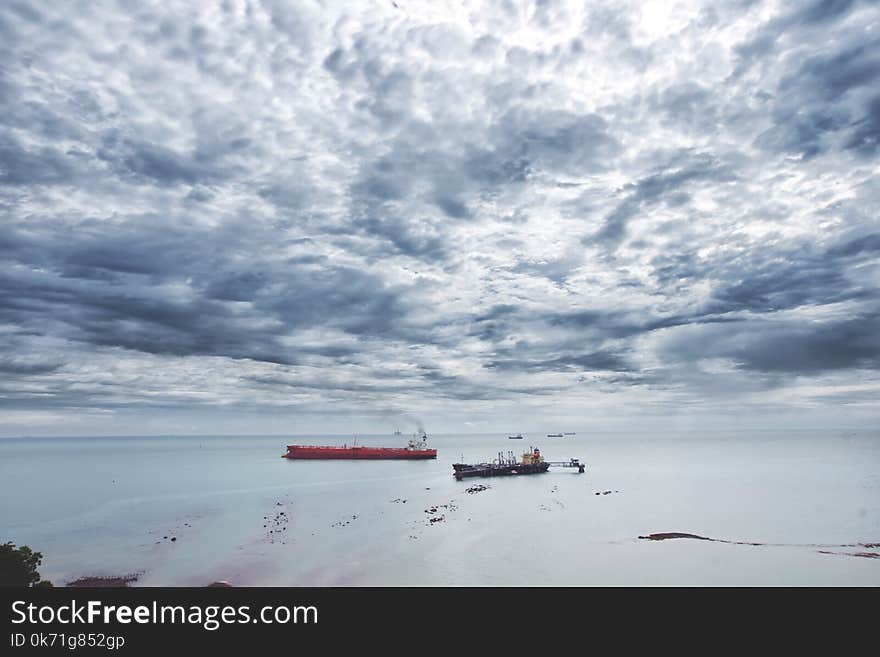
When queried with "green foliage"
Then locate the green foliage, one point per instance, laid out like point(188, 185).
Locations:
point(18, 566)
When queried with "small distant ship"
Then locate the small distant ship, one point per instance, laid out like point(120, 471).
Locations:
point(416, 448)
point(569, 433)
point(554, 435)
point(516, 437)
point(532, 463)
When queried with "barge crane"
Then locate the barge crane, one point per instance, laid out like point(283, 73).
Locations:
point(532, 463)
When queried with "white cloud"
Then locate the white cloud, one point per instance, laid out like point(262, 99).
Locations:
point(453, 208)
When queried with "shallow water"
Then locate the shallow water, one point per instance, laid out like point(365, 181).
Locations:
point(104, 506)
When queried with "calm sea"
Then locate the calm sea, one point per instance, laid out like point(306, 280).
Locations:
point(239, 512)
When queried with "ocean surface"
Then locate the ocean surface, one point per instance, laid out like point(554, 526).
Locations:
point(808, 501)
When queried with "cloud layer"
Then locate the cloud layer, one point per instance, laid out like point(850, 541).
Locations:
point(482, 212)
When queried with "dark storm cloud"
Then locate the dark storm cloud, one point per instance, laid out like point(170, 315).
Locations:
point(584, 344)
point(771, 280)
point(237, 286)
point(427, 378)
point(493, 168)
point(869, 244)
point(852, 343)
point(837, 73)
point(143, 319)
point(820, 99)
point(687, 106)
point(148, 245)
point(403, 237)
point(519, 143)
point(358, 302)
point(766, 280)
point(813, 103)
point(821, 11)
point(558, 140)
point(161, 165)
point(598, 360)
point(325, 383)
point(100, 285)
point(865, 138)
point(819, 14)
point(665, 184)
point(11, 366)
point(38, 166)
point(148, 323)
point(779, 287)
point(779, 346)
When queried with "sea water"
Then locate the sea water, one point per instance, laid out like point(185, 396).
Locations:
point(188, 510)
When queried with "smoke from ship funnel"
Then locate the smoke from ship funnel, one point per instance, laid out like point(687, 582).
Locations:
point(407, 418)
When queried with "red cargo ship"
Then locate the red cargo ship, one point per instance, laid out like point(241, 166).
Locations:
point(415, 449)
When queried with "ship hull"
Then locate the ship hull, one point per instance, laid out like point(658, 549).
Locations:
point(315, 453)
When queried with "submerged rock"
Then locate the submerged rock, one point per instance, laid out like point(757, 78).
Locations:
point(664, 536)
point(113, 581)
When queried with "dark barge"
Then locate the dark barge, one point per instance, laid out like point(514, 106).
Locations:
point(532, 463)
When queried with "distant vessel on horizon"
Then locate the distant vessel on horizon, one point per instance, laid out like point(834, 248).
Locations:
point(516, 437)
point(554, 435)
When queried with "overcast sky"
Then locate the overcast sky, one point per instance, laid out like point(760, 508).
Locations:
point(286, 217)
